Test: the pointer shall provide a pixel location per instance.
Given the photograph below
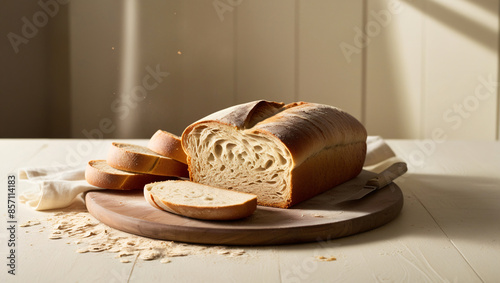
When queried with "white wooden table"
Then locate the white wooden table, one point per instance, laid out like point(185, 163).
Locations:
point(448, 230)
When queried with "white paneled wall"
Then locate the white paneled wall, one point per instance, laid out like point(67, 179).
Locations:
point(405, 68)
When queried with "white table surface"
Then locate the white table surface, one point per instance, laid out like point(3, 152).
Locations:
point(448, 230)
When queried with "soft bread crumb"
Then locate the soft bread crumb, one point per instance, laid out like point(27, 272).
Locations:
point(89, 235)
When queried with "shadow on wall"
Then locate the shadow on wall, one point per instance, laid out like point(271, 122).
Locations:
point(471, 28)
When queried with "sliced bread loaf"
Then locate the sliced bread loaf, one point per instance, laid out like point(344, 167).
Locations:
point(284, 154)
point(98, 173)
point(199, 201)
point(140, 159)
point(168, 145)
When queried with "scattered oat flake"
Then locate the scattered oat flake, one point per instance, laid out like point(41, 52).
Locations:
point(237, 252)
point(165, 260)
point(30, 223)
point(149, 255)
point(89, 235)
point(174, 254)
point(122, 254)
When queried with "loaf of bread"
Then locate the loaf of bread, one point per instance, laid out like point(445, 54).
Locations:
point(98, 173)
point(167, 144)
point(199, 201)
point(140, 159)
point(284, 154)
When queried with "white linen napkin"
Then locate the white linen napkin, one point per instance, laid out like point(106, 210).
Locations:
point(53, 187)
point(379, 155)
point(58, 187)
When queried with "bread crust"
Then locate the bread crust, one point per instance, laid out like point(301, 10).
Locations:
point(167, 144)
point(326, 170)
point(118, 180)
point(326, 144)
point(121, 158)
point(308, 128)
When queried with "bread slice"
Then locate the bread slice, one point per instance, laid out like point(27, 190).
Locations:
point(140, 159)
point(199, 201)
point(98, 173)
point(168, 145)
point(284, 154)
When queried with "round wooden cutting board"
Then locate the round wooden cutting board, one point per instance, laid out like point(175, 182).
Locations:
point(323, 217)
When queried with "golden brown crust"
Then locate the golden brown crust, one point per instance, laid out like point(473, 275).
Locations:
point(242, 116)
point(214, 213)
point(122, 158)
point(307, 128)
point(326, 170)
point(117, 180)
point(167, 144)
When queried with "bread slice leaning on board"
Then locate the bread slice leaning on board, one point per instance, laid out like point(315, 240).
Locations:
point(284, 154)
point(140, 159)
point(98, 173)
point(199, 201)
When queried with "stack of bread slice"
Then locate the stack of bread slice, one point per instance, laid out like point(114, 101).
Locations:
point(130, 166)
point(160, 170)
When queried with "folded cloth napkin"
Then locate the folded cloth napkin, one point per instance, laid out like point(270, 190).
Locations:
point(58, 187)
point(379, 155)
point(52, 187)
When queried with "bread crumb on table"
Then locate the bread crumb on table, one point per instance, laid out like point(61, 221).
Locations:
point(324, 258)
point(90, 235)
point(165, 260)
point(30, 223)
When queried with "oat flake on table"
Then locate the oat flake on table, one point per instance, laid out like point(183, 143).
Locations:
point(90, 235)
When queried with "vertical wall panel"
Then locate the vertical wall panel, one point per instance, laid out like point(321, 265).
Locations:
point(326, 72)
point(461, 66)
point(265, 46)
point(95, 49)
point(394, 68)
